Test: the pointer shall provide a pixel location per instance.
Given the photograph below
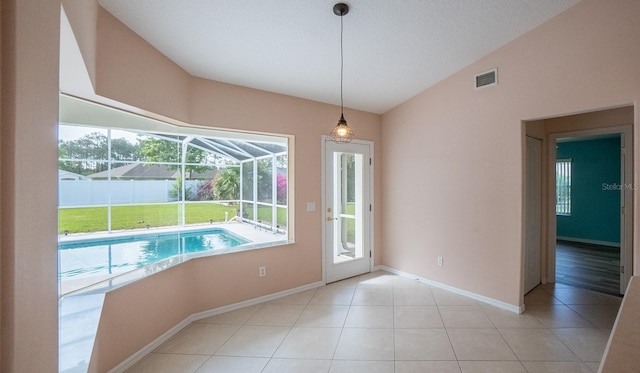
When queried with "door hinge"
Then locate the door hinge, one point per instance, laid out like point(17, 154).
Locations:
point(622, 270)
point(369, 253)
point(369, 161)
point(369, 208)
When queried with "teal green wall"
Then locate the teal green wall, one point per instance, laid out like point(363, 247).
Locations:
point(595, 190)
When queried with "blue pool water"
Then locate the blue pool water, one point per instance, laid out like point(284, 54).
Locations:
point(116, 255)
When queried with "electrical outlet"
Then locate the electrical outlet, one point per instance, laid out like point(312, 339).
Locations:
point(440, 261)
point(262, 271)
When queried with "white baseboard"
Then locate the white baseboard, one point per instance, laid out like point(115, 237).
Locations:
point(254, 301)
point(584, 240)
point(481, 298)
point(139, 355)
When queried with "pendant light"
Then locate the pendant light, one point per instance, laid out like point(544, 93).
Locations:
point(341, 133)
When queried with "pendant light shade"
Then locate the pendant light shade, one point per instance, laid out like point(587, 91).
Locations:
point(341, 133)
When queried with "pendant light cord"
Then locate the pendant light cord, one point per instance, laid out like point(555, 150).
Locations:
point(341, 66)
point(341, 133)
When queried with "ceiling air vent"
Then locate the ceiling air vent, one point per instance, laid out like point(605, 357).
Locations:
point(487, 79)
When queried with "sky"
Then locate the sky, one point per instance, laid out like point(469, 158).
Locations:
point(68, 133)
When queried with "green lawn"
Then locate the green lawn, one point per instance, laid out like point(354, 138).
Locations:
point(264, 215)
point(94, 219)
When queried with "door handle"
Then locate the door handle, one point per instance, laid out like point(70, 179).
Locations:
point(331, 219)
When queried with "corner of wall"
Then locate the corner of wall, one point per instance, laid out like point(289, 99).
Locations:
point(83, 18)
point(123, 73)
point(30, 41)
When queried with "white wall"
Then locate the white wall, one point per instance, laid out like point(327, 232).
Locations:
point(97, 192)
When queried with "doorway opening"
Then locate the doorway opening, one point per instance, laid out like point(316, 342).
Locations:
point(588, 217)
point(559, 195)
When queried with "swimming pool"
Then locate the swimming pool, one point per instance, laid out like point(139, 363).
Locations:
point(106, 257)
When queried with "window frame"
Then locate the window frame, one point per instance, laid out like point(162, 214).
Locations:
point(564, 166)
point(227, 148)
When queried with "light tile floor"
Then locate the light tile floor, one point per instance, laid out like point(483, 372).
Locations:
point(381, 323)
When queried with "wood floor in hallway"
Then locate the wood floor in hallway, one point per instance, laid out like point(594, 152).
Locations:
point(588, 266)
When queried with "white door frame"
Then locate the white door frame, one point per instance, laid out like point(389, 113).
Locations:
point(626, 198)
point(370, 225)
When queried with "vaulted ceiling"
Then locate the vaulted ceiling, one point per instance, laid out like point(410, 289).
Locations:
point(393, 49)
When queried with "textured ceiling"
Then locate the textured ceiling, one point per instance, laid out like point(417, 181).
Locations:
point(393, 49)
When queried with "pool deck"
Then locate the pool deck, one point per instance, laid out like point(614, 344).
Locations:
point(248, 231)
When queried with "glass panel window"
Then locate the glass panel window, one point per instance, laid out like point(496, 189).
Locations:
point(281, 179)
point(348, 173)
point(348, 183)
point(141, 216)
point(82, 219)
point(124, 146)
point(348, 231)
point(247, 211)
point(265, 214)
point(247, 181)
point(200, 183)
point(282, 218)
point(118, 179)
point(563, 187)
point(165, 149)
point(82, 151)
point(209, 212)
point(226, 184)
point(265, 180)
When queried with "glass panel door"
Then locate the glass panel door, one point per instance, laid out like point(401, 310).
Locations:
point(347, 209)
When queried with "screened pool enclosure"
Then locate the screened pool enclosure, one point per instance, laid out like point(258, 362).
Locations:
point(121, 171)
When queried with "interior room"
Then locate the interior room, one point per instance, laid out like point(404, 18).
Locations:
point(588, 249)
point(457, 236)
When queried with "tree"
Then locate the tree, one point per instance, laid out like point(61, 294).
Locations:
point(158, 150)
point(90, 151)
point(265, 179)
point(123, 150)
point(176, 191)
point(153, 149)
point(227, 184)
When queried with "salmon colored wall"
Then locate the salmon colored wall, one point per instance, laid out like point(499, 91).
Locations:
point(28, 233)
point(2, 35)
point(141, 309)
point(463, 148)
point(587, 121)
point(84, 18)
point(195, 286)
point(130, 71)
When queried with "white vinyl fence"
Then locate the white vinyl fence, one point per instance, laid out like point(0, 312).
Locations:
point(96, 192)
